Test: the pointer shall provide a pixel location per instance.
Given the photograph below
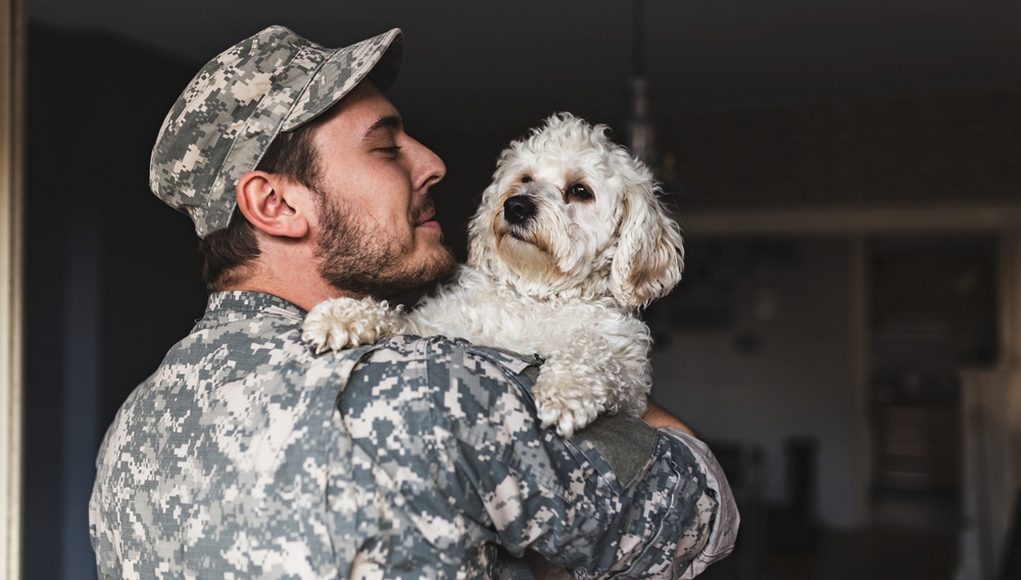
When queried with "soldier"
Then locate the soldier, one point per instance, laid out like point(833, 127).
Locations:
point(248, 455)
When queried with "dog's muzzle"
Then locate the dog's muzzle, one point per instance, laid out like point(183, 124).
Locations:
point(518, 209)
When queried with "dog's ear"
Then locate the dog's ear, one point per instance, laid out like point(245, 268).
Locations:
point(650, 252)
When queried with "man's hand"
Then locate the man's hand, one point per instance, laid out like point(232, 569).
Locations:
point(657, 418)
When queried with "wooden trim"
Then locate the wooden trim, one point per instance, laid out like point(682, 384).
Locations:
point(853, 221)
point(12, 115)
point(1009, 298)
point(859, 320)
point(1010, 356)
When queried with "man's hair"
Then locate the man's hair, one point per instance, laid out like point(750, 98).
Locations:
point(224, 255)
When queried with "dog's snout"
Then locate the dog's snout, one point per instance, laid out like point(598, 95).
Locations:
point(518, 209)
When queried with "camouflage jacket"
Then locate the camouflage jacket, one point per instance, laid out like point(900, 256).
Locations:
point(246, 455)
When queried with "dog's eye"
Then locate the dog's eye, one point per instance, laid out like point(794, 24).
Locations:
point(579, 192)
point(526, 179)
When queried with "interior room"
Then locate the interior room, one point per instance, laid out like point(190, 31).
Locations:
point(847, 175)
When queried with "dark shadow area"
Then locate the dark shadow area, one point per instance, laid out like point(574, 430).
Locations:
point(112, 280)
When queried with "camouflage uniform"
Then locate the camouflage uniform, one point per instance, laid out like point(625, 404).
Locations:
point(247, 455)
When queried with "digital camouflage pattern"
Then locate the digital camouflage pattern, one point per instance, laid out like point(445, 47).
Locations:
point(227, 116)
point(247, 455)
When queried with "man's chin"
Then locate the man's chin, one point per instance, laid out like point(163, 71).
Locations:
point(438, 272)
point(442, 267)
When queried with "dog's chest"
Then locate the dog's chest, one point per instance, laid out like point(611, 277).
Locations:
point(520, 325)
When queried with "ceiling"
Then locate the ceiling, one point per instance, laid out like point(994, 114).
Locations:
point(478, 73)
point(483, 63)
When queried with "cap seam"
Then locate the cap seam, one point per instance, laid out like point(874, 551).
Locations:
point(364, 75)
point(236, 140)
point(311, 78)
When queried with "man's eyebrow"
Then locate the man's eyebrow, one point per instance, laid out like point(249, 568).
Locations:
point(390, 122)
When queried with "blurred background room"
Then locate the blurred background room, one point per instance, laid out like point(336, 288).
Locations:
point(847, 336)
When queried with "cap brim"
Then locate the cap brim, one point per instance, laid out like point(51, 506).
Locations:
point(377, 58)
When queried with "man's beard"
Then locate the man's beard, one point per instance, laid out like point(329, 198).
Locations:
point(365, 259)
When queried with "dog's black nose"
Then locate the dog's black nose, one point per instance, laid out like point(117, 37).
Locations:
point(518, 209)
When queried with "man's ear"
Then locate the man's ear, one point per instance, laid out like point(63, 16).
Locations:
point(273, 204)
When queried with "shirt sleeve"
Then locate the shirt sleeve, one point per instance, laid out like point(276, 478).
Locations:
point(726, 521)
point(453, 430)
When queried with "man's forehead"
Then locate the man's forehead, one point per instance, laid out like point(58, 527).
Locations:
point(384, 125)
point(367, 110)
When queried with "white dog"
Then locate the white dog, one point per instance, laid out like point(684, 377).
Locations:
point(570, 241)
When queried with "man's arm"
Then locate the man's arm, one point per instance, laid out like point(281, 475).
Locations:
point(657, 418)
point(724, 533)
point(458, 437)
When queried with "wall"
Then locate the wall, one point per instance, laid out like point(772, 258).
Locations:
point(110, 278)
point(932, 150)
point(778, 364)
point(739, 374)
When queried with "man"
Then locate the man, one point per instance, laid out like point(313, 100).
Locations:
point(248, 455)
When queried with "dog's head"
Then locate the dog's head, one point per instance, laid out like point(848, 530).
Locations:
point(570, 212)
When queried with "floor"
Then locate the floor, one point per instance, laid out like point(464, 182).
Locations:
point(911, 538)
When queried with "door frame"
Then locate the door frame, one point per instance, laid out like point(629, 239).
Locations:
point(12, 155)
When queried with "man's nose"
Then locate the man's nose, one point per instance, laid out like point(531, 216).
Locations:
point(429, 168)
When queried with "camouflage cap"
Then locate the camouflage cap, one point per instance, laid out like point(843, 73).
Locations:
point(226, 118)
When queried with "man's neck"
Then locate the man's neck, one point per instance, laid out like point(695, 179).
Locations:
point(290, 272)
point(303, 293)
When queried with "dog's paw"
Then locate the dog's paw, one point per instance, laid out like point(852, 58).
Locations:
point(342, 323)
point(568, 410)
point(572, 389)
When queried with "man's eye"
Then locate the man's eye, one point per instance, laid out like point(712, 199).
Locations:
point(579, 192)
point(391, 151)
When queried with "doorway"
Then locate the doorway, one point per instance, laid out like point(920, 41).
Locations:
point(933, 302)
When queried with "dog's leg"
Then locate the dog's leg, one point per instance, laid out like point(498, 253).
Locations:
point(570, 390)
point(634, 382)
point(342, 323)
point(590, 377)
